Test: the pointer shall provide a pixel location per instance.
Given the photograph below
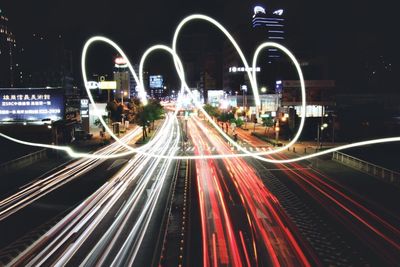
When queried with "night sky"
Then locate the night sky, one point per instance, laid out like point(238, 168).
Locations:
point(349, 33)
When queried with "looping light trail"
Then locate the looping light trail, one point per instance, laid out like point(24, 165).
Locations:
point(184, 88)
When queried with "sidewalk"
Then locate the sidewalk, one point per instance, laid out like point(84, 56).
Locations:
point(302, 147)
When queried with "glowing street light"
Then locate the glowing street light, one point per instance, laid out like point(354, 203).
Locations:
point(320, 128)
point(277, 129)
point(263, 89)
point(123, 93)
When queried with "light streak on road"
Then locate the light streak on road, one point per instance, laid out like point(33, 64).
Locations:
point(126, 205)
point(44, 186)
point(219, 243)
point(265, 216)
point(181, 74)
point(329, 193)
point(323, 188)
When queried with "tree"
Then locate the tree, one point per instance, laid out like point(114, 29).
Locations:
point(155, 110)
point(115, 109)
point(132, 105)
point(267, 122)
point(234, 110)
point(238, 122)
point(211, 110)
point(148, 114)
point(98, 123)
point(225, 116)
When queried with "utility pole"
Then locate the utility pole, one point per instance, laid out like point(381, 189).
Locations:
point(277, 129)
point(186, 120)
point(320, 128)
point(244, 89)
point(243, 101)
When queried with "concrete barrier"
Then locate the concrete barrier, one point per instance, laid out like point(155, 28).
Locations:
point(377, 171)
point(23, 161)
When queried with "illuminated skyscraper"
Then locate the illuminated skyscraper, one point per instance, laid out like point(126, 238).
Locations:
point(270, 24)
point(7, 48)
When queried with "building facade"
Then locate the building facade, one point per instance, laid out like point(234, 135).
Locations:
point(7, 53)
point(269, 24)
point(261, 25)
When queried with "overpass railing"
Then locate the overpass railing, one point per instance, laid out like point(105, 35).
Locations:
point(377, 171)
point(23, 161)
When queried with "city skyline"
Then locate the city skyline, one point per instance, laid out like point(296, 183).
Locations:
point(332, 32)
point(290, 159)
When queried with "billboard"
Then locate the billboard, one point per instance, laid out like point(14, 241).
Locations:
point(102, 85)
point(20, 105)
point(156, 81)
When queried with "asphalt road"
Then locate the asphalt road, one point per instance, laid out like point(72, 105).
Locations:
point(358, 213)
point(118, 224)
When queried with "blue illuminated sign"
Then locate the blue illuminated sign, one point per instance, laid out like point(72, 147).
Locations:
point(156, 81)
point(31, 105)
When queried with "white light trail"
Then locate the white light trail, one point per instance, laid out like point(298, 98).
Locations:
point(184, 87)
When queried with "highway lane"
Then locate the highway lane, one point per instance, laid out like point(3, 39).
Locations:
point(219, 243)
point(115, 219)
point(377, 232)
point(241, 202)
point(39, 188)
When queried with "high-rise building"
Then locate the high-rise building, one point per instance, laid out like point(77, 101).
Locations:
point(270, 24)
point(126, 83)
point(45, 60)
point(260, 24)
point(7, 53)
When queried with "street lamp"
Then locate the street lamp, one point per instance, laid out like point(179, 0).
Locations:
point(244, 89)
point(263, 89)
point(277, 129)
point(123, 93)
point(320, 128)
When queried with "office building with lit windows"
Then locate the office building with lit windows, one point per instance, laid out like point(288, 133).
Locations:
point(270, 24)
point(7, 53)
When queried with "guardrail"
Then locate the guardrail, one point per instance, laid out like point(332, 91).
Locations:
point(23, 161)
point(377, 171)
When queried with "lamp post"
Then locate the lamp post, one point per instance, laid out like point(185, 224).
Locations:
point(236, 98)
point(277, 129)
point(123, 93)
point(244, 89)
point(320, 128)
point(244, 108)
